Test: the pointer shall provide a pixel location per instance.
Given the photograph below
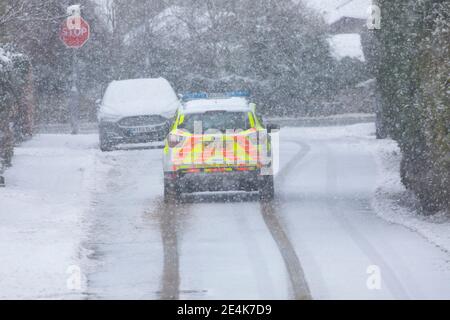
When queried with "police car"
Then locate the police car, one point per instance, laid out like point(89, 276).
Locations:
point(218, 142)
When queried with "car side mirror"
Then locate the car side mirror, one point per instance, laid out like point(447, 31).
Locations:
point(272, 127)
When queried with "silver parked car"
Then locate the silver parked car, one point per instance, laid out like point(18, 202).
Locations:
point(136, 111)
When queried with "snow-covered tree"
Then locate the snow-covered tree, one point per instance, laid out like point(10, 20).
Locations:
point(276, 49)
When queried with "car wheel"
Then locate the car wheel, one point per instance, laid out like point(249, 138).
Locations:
point(267, 189)
point(171, 190)
point(106, 147)
point(2, 181)
point(105, 144)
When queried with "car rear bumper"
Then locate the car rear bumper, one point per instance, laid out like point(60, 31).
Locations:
point(217, 181)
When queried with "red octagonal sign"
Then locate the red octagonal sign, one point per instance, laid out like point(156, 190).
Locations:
point(74, 33)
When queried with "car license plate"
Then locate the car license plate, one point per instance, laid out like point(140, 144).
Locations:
point(138, 130)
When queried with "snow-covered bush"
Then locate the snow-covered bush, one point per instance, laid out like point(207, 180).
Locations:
point(15, 102)
point(6, 107)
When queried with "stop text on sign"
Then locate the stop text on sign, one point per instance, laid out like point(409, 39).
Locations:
point(74, 35)
point(74, 32)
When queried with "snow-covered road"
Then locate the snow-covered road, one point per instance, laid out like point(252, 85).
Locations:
point(320, 238)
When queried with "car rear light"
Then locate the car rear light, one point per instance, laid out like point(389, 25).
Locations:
point(175, 140)
point(216, 170)
point(170, 175)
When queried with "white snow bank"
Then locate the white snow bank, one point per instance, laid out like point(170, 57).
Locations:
point(346, 45)
point(41, 217)
point(396, 204)
point(140, 97)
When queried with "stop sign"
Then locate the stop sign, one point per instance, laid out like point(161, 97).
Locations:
point(74, 35)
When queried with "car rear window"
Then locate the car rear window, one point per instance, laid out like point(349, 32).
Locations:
point(215, 120)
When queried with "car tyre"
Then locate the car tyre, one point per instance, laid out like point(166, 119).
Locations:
point(267, 189)
point(171, 190)
point(105, 144)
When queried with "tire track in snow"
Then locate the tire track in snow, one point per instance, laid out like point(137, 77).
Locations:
point(296, 275)
point(392, 282)
point(269, 213)
point(169, 222)
point(169, 214)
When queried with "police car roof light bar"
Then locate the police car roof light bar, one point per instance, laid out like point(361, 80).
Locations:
point(203, 95)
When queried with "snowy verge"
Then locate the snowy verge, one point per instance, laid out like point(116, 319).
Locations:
point(42, 217)
point(395, 204)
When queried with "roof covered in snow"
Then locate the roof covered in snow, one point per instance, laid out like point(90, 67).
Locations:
point(333, 10)
point(346, 45)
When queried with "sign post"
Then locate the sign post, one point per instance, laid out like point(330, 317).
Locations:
point(74, 33)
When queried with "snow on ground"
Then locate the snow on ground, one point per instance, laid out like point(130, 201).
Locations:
point(124, 227)
point(338, 229)
point(233, 255)
point(346, 45)
point(67, 204)
point(392, 201)
point(395, 204)
point(42, 216)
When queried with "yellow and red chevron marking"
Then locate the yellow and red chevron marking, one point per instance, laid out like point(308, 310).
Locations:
point(234, 149)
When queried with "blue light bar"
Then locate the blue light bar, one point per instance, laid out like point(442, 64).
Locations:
point(239, 93)
point(203, 95)
point(194, 95)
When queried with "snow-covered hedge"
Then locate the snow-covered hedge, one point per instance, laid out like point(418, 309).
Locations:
point(414, 78)
point(15, 101)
